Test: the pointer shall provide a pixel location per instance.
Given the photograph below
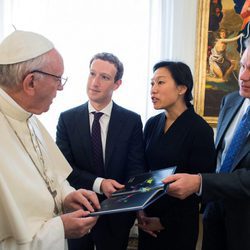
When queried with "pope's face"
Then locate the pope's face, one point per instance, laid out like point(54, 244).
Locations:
point(46, 86)
point(244, 74)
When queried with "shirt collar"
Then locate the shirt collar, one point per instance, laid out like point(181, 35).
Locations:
point(107, 110)
point(244, 106)
point(247, 100)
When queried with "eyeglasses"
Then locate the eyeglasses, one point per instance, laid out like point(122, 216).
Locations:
point(62, 81)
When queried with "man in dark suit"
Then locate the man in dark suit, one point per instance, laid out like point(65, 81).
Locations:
point(122, 147)
point(226, 219)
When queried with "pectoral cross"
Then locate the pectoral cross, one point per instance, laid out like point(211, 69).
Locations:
point(54, 194)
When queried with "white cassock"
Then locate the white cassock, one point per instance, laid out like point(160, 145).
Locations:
point(27, 218)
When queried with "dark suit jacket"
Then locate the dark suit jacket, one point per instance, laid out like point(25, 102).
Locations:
point(231, 190)
point(124, 155)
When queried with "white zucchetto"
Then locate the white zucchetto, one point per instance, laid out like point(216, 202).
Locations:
point(21, 46)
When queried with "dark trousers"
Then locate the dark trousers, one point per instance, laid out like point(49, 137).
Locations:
point(214, 229)
point(179, 236)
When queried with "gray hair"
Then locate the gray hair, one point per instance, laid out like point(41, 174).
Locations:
point(11, 75)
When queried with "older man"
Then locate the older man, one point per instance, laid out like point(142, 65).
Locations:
point(34, 192)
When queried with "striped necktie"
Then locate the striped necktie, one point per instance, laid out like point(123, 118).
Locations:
point(97, 144)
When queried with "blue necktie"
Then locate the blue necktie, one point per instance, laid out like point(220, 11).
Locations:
point(239, 138)
point(97, 144)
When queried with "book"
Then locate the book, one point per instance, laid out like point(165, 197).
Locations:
point(140, 191)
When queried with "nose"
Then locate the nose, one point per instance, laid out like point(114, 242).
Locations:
point(96, 80)
point(153, 88)
point(60, 87)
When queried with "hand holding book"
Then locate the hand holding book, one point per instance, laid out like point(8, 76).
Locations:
point(139, 192)
point(109, 186)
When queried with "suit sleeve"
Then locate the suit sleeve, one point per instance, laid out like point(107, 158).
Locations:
point(202, 152)
point(62, 140)
point(135, 164)
point(78, 178)
point(233, 186)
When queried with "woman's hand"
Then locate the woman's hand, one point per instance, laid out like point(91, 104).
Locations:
point(150, 225)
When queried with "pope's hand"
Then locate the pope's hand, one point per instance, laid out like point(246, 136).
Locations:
point(81, 199)
point(76, 224)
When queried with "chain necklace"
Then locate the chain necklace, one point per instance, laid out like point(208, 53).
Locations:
point(38, 150)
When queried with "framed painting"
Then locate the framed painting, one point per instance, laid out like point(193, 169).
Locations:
point(222, 27)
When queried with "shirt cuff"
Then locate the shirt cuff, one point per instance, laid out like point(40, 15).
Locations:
point(97, 185)
point(200, 190)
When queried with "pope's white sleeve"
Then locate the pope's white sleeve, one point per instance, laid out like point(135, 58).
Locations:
point(66, 189)
point(50, 236)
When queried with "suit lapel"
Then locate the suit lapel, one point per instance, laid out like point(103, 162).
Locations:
point(115, 125)
point(227, 116)
point(83, 132)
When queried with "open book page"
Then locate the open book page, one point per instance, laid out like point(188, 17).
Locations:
point(129, 202)
point(146, 181)
point(141, 190)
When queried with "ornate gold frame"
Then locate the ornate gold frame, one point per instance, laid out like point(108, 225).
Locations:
point(208, 88)
point(200, 60)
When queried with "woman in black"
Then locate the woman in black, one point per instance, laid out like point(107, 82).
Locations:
point(180, 137)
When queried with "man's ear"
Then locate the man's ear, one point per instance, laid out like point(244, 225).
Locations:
point(117, 84)
point(29, 85)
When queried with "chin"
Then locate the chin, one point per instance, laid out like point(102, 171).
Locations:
point(38, 112)
point(245, 94)
point(94, 99)
point(157, 107)
point(44, 110)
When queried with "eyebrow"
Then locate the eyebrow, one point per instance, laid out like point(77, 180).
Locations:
point(101, 73)
point(158, 77)
point(106, 74)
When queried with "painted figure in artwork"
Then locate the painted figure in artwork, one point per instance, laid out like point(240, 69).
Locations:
point(220, 65)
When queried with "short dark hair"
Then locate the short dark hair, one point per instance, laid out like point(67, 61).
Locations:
point(112, 59)
point(181, 74)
